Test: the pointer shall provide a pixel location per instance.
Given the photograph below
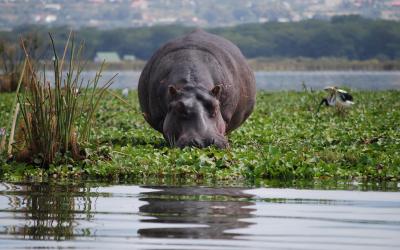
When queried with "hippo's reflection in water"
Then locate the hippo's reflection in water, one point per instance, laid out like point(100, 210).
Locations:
point(54, 211)
point(205, 213)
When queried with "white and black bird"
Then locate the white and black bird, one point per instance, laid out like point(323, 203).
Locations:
point(337, 98)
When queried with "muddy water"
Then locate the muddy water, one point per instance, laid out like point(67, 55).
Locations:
point(94, 216)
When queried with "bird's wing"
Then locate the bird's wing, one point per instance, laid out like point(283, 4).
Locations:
point(345, 96)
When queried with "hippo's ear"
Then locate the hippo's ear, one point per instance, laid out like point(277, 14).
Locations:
point(172, 91)
point(216, 91)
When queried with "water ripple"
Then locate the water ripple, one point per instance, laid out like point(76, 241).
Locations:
point(79, 215)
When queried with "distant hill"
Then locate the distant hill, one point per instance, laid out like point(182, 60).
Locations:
point(351, 37)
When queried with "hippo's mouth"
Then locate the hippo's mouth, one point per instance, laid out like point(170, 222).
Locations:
point(218, 141)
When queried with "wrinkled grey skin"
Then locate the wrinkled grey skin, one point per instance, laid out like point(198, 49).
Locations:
point(196, 89)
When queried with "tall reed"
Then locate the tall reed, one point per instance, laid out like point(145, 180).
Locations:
point(58, 113)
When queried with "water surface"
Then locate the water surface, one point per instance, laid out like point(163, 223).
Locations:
point(290, 80)
point(94, 216)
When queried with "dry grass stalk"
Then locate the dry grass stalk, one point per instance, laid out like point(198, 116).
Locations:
point(14, 122)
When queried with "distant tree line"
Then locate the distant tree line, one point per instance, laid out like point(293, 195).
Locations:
point(351, 37)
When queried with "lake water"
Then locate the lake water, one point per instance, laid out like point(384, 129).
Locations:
point(291, 80)
point(98, 216)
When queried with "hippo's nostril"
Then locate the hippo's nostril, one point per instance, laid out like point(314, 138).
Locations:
point(197, 143)
point(193, 142)
point(219, 142)
point(222, 144)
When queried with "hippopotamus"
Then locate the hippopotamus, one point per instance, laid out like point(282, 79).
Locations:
point(196, 89)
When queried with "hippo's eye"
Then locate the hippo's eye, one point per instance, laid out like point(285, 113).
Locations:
point(211, 108)
point(179, 108)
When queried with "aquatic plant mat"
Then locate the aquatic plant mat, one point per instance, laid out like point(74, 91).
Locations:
point(284, 139)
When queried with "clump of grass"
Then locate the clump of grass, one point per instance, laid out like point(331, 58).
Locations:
point(58, 113)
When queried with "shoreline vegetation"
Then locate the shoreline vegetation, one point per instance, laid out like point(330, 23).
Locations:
point(283, 64)
point(322, 64)
point(283, 139)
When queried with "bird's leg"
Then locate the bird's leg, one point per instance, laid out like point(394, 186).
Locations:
point(322, 102)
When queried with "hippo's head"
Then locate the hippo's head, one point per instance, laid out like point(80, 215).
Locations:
point(194, 117)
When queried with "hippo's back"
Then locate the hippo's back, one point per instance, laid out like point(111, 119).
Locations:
point(238, 98)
